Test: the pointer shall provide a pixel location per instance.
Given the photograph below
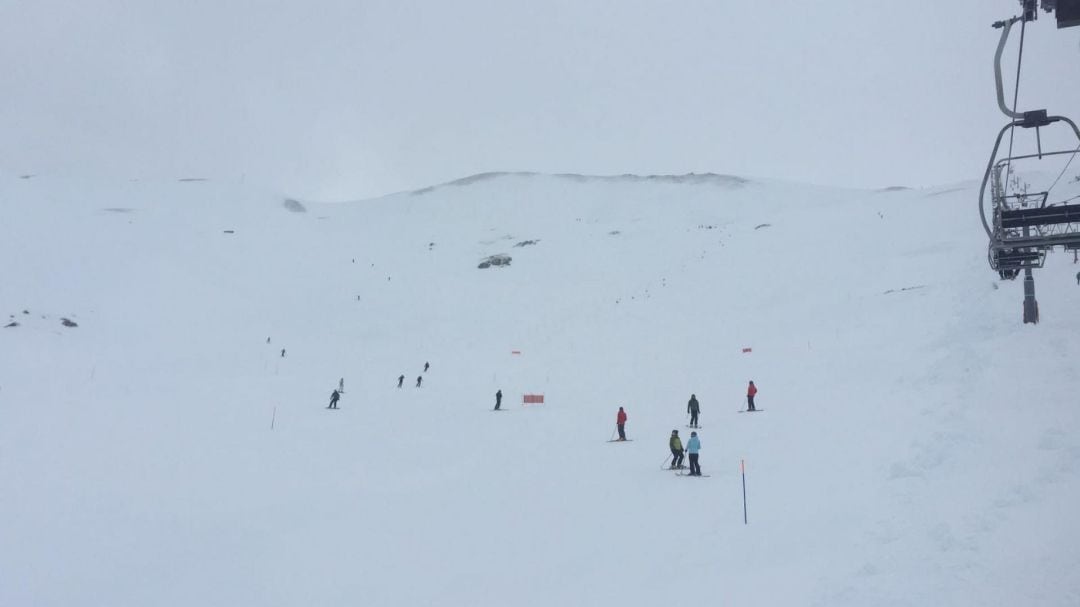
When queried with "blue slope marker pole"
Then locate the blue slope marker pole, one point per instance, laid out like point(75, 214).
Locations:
point(742, 466)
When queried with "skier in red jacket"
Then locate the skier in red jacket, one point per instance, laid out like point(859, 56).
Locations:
point(620, 422)
point(751, 390)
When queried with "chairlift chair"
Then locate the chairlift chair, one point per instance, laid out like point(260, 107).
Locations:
point(1023, 226)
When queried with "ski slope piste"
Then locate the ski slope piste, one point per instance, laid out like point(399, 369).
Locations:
point(170, 444)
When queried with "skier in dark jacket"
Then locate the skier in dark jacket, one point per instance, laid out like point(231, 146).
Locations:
point(620, 423)
point(675, 443)
point(419, 380)
point(693, 408)
point(498, 400)
point(751, 390)
point(400, 380)
point(426, 367)
point(334, 397)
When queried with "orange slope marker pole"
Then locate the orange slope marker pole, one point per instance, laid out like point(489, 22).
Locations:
point(742, 467)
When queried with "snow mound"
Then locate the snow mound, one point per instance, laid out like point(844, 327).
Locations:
point(728, 181)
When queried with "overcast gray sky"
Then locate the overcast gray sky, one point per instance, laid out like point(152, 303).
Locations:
point(353, 98)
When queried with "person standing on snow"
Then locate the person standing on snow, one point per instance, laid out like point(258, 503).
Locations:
point(341, 385)
point(400, 380)
point(498, 400)
point(693, 408)
point(620, 423)
point(751, 390)
point(426, 367)
point(692, 447)
point(334, 397)
point(1078, 278)
point(419, 380)
point(675, 443)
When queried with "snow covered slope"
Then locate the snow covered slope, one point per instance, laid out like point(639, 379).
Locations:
point(918, 445)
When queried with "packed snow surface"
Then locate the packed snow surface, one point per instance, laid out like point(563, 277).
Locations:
point(918, 444)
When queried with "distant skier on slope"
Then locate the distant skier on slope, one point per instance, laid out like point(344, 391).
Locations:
point(751, 390)
point(400, 380)
point(341, 385)
point(426, 367)
point(620, 423)
point(335, 396)
point(498, 400)
point(283, 352)
point(1078, 278)
point(693, 408)
point(675, 443)
point(419, 380)
point(692, 447)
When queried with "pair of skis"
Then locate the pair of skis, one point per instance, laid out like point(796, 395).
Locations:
point(682, 471)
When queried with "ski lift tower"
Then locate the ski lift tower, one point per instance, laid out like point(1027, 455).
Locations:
point(1024, 225)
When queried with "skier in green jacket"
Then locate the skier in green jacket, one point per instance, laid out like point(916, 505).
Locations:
point(675, 443)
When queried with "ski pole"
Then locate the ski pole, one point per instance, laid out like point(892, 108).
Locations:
point(613, 434)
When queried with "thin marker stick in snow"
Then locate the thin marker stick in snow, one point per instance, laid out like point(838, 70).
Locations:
point(742, 467)
point(272, 418)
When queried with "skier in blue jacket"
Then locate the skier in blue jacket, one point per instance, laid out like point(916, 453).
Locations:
point(693, 446)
